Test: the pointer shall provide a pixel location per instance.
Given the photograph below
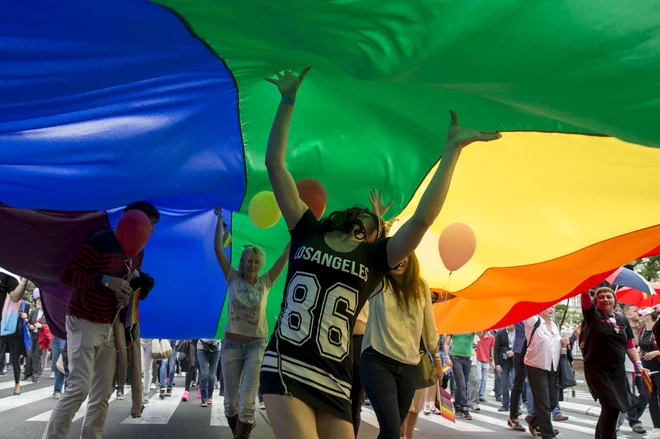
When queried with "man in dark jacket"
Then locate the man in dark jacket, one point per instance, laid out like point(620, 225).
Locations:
point(503, 351)
point(33, 364)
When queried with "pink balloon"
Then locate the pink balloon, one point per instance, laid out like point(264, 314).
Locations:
point(457, 244)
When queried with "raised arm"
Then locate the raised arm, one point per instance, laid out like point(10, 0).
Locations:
point(278, 266)
point(218, 246)
point(408, 237)
point(17, 292)
point(284, 187)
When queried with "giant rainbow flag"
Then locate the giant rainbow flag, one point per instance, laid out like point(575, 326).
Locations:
point(104, 103)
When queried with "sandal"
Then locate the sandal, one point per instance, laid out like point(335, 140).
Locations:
point(515, 425)
point(210, 401)
point(203, 404)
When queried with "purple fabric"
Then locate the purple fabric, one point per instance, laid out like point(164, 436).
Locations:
point(55, 299)
point(37, 244)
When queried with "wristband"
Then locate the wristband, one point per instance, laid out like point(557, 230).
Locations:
point(288, 101)
point(638, 364)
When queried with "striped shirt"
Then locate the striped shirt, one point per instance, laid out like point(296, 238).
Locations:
point(101, 255)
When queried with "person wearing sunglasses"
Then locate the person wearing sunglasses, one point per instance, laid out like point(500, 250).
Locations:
point(335, 264)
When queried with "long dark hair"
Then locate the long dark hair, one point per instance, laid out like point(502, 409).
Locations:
point(348, 221)
point(411, 288)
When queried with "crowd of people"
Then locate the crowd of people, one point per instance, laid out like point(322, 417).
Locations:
point(356, 322)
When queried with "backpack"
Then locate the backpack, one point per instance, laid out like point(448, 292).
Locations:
point(523, 351)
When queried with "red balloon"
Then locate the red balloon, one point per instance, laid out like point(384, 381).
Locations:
point(133, 232)
point(313, 195)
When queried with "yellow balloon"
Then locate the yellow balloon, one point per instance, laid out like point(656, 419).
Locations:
point(263, 210)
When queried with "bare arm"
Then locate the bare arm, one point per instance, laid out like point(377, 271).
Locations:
point(220, 254)
point(284, 187)
point(408, 237)
point(17, 293)
point(278, 266)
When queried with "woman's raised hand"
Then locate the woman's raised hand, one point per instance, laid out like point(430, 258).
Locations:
point(460, 137)
point(288, 82)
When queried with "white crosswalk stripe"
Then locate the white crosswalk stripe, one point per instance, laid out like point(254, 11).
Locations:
point(82, 411)
point(158, 411)
point(36, 404)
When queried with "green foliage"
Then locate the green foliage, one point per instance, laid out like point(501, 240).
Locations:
point(573, 317)
point(648, 268)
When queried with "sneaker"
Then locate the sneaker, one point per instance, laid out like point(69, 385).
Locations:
point(560, 418)
point(185, 396)
point(639, 429)
point(427, 409)
point(465, 415)
point(52, 375)
point(491, 393)
point(475, 408)
point(483, 400)
point(153, 386)
point(503, 409)
point(120, 394)
point(162, 393)
point(262, 406)
point(168, 392)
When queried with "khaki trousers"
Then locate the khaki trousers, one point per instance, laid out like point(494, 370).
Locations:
point(91, 352)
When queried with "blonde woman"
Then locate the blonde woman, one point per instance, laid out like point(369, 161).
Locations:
point(401, 312)
point(245, 333)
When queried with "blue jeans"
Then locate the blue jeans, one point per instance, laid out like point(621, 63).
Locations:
point(461, 371)
point(172, 363)
point(507, 381)
point(530, 404)
point(482, 376)
point(208, 365)
point(241, 365)
point(58, 345)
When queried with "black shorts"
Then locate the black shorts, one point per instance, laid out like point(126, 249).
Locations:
point(271, 384)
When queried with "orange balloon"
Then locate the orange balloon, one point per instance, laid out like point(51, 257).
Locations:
point(313, 195)
point(457, 244)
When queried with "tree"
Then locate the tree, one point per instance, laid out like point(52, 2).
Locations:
point(573, 317)
point(648, 268)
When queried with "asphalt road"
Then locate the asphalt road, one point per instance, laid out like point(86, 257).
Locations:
point(25, 417)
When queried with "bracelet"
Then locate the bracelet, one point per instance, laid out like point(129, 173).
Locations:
point(288, 101)
point(638, 364)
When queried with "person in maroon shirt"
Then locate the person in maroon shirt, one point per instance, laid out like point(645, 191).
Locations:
point(100, 274)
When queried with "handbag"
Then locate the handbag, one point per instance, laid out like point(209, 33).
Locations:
point(10, 313)
point(565, 373)
point(59, 364)
point(210, 347)
point(160, 349)
point(424, 371)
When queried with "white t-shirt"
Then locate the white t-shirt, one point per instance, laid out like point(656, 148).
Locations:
point(247, 305)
